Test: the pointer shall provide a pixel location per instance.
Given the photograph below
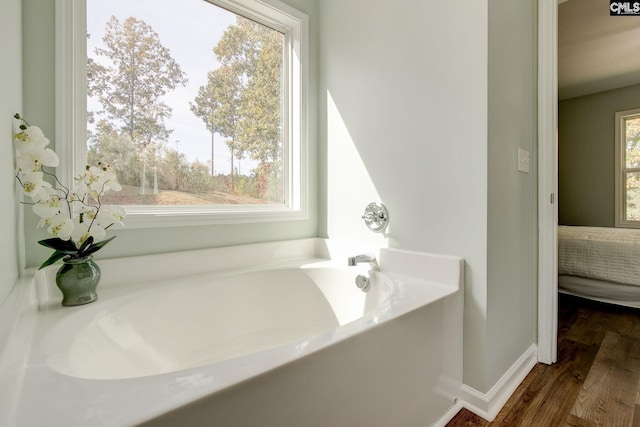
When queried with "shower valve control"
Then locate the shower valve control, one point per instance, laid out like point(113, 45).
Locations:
point(376, 217)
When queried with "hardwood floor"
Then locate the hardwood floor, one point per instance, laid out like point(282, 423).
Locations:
point(596, 381)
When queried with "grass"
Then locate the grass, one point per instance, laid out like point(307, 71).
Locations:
point(131, 195)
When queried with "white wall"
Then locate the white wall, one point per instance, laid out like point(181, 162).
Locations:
point(10, 103)
point(512, 219)
point(587, 153)
point(413, 113)
point(403, 119)
point(39, 101)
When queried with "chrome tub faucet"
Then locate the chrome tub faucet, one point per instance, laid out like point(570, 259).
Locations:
point(355, 260)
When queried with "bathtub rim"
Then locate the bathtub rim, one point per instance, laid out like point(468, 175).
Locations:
point(78, 320)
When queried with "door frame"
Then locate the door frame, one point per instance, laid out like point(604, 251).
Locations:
point(547, 180)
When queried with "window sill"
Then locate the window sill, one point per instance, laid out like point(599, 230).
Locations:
point(183, 216)
point(627, 224)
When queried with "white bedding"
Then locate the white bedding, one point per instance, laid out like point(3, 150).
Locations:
point(600, 290)
point(611, 254)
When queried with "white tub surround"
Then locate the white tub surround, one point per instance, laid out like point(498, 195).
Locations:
point(266, 334)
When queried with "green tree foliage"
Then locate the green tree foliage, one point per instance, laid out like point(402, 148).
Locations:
point(115, 149)
point(633, 143)
point(174, 169)
point(242, 98)
point(136, 73)
point(632, 161)
point(217, 105)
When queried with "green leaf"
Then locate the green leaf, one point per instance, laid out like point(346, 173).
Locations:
point(85, 245)
point(96, 247)
point(53, 258)
point(65, 246)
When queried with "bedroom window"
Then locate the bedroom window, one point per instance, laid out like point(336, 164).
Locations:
point(628, 168)
point(199, 106)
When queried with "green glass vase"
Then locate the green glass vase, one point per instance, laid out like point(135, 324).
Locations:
point(78, 279)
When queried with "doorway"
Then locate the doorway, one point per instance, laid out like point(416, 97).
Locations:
point(594, 50)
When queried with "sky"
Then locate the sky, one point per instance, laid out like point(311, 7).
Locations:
point(189, 29)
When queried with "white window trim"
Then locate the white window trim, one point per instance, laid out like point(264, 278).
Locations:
point(621, 170)
point(71, 110)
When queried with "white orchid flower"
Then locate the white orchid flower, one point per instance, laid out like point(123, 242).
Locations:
point(31, 139)
point(83, 230)
point(90, 174)
point(32, 161)
point(60, 226)
point(77, 195)
point(48, 208)
point(35, 187)
point(44, 222)
point(110, 181)
point(91, 182)
point(111, 215)
point(89, 212)
point(95, 190)
point(65, 214)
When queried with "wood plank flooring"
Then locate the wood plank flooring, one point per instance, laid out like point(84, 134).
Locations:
point(596, 381)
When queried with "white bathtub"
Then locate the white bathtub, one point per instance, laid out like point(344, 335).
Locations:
point(206, 319)
point(288, 340)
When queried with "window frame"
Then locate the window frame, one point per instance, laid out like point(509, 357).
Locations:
point(71, 116)
point(621, 170)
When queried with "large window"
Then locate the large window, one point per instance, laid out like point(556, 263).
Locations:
point(628, 168)
point(199, 106)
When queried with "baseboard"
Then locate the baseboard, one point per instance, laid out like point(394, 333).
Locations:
point(488, 405)
point(444, 420)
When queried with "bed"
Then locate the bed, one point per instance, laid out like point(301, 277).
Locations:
point(600, 263)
